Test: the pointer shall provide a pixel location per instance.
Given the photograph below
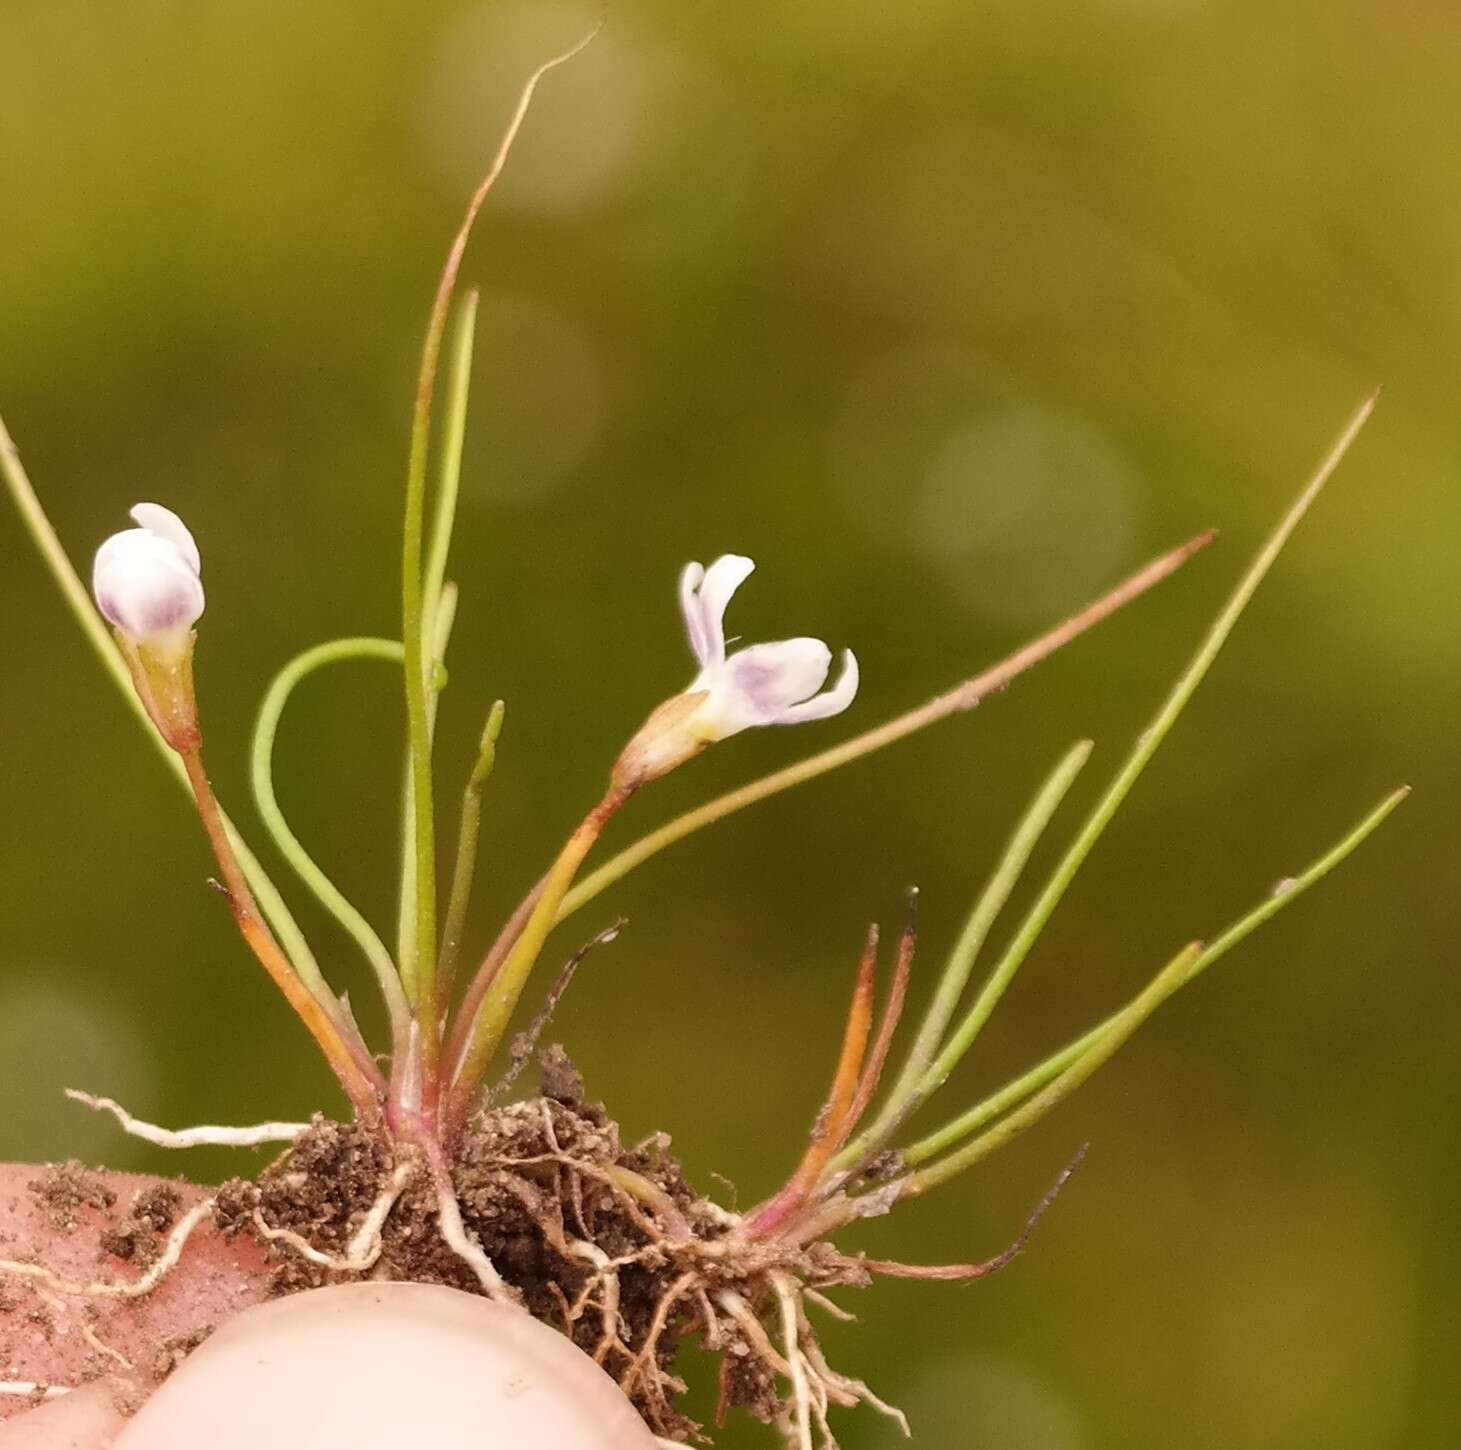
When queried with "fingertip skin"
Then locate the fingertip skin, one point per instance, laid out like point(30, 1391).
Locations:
point(85, 1419)
point(47, 1338)
point(363, 1365)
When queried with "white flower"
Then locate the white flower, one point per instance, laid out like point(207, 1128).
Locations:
point(146, 580)
point(765, 684)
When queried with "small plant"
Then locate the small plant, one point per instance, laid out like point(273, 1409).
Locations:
point(436, 1178)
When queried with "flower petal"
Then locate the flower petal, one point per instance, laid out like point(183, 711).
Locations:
point(167, 525)
point(144, 584)
point(756, 685)
point(721, 580)
point(690, 579)
point(829, 702)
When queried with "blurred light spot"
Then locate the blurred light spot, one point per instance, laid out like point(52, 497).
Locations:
point(984, 1403)
point(648, 133)
point(537, 399)
point(1025, 513)
point(583, 119)
point(693, 164)
point(1021, 510)
point(52, 1038)
point(892, 412)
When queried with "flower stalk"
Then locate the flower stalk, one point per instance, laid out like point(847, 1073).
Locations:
point(261, 769)
point(350, 1060)
point(486, 1011)
point(963, 697)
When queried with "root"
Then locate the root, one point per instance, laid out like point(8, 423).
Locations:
point(800, 1385)
point(204, 1136)
point(365, 1247)
point(543, 1207)
point(756, 1335)
point(1002, 1260)
point(454, 1233)
point(814, 1384)
point(33, 1390)
point(814, 1296)
point(133, 1289)
point(95, 1341)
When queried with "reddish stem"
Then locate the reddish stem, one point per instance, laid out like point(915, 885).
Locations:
point(835, 1122)
point(352, 1065)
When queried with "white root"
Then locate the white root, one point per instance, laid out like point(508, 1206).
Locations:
point(132, 1289)
point(204, 1136)
point(29, 1389)
point(96, 1342)
point(751, 1327)
point(791, 1334)
point(606, 1274)
point(365, 1245)
point(454, 1233)
point(814, 1296)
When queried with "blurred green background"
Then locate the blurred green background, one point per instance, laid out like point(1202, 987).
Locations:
point(949, 314)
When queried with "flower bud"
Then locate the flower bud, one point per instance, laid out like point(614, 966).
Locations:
point(146, 580)
point(148, 587)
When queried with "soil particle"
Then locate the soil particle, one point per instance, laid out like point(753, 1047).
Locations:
point(67, 1188)
point(747, 1383)
point(174, 1349)
point(560, 1080)
point(138, 1238)
point(884, 1168)
point(234, 1205)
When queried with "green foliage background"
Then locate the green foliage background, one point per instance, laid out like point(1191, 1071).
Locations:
point(947, 313)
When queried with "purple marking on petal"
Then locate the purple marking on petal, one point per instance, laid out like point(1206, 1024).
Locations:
point(145, 585)
point(690, 578)
point(767, 679)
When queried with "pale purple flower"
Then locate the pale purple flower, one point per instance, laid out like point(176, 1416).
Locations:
point(764, 684)
point(147, 580)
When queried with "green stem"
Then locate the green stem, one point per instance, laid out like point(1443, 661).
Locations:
point(1147, 744)
point(415, 621)
point(446, 614)
point(439, 600)
point(453, 441)
point(961, 698)
point(1036, 1078)
point(904, 1097)
point(420, 973)
point(261, 767)
point(345, 1054)
point(1122, 1025)
point(485, 1018)
point(78, 601)
point(466, 862)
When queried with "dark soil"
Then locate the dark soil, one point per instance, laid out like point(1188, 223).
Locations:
point(138, 1238)
point(66, 1188)
point(528, 1209)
